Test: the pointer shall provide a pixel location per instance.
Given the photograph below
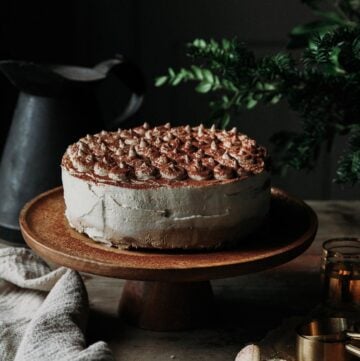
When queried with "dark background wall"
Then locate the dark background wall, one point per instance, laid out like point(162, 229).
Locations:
point(153, 34)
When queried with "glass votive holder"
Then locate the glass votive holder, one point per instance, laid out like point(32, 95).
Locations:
point(340, 274)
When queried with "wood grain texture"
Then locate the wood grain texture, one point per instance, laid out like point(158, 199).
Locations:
point(290, 229)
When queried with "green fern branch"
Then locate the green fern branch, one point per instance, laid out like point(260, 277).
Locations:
point(323, 86)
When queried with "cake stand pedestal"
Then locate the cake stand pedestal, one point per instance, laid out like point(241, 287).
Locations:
point(168, 290)
point(165, 306)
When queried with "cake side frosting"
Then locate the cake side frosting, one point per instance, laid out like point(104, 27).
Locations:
point(181, 217)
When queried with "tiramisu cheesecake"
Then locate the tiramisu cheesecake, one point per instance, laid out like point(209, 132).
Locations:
point(166, 187)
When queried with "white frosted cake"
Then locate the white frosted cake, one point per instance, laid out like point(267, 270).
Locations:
point(166, 187)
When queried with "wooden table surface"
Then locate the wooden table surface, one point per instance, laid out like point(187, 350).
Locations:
point(247, 307)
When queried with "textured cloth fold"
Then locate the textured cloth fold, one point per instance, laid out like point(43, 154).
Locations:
point(43, 313)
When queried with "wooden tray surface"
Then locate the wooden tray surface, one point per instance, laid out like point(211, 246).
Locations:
point(290, 229)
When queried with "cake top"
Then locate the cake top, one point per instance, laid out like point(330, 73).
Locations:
point(165, 155)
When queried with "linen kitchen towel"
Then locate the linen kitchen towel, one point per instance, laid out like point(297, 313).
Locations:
point(43, 313)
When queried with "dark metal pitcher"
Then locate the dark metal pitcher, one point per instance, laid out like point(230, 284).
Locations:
point(57, 105)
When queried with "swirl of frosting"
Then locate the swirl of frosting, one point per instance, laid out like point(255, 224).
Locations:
point(175, 143)
point(172, 172)
point(199, 154)
point(189, 146)
point(161, 160)
point(134, 162)
point(132, 141)
point(174, 155)
point(113, 148)
point(165, 148)
point(209, 162)
point(227, 143)
point(213, 148)
point(83, 146)
point(255, 166)
point(242, 172)
point(157, 142)
point(245, 158)
point(183, 160)
point(143, 143)
point(148, 135)
point(249, 146)
point(101, 169)
point(142, 129)
point(234, 152)
point(245, 152)
point(178, 131)
point(120, 152)
point(249, 143)
point(187, 129)
point(91, 143)
point(71, 150)
point(79, 154)
point(77, 151)
point(200, 130)
point(141, 147)
point(126, 133)
point(132, 152)
point(120, 172)
point(145, 171)
point(198, 172)
point(227, 161)
point(100, 149)
point(222, 135)
point(151, 153)
point(204, 141)
point(222, 172)
point(168, 136)
point(82, 165)
point(236, 142)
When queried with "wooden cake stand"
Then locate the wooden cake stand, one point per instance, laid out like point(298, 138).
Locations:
point(168, 290)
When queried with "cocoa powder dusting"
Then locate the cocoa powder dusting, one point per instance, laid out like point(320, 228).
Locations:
point(145, 157)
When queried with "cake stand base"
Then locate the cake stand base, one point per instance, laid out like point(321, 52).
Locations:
point(166, 306)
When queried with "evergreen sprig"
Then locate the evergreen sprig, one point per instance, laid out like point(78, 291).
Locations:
point(349, 167)
point(323, 86)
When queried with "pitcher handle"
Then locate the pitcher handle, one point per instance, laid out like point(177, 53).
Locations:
point(132, 77)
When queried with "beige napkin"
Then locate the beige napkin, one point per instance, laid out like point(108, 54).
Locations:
point(43, 313)
point(249, 353)
point(252, 353)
